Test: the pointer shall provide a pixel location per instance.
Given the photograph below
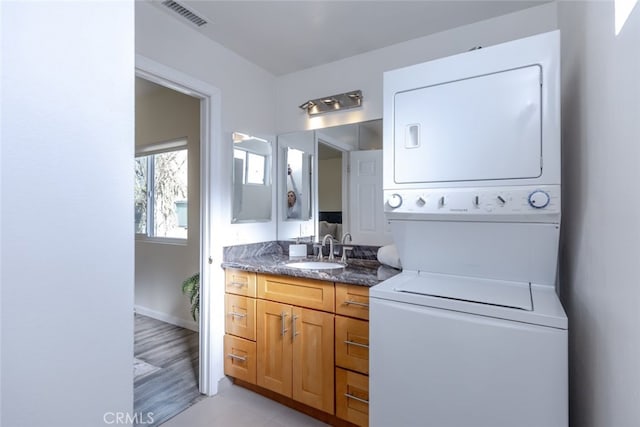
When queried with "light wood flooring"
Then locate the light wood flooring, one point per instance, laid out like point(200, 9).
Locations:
point(168, 361)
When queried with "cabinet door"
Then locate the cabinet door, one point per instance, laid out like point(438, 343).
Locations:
point(240, 316)
point(240, 282)
point(298, 291)
point(352, 344)
point(240, 358)
point(273, 343)
point(352, 300)
point(352, 397)
point(313, 358)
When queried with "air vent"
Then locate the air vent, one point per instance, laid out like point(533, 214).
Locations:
point(184, 12)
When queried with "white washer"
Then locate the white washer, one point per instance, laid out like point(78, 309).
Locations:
point(472, 333)
point(455, 351)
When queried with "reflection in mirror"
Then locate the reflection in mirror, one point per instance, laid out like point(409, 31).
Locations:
point(298, 200)
point(252, 186)
point(349, 184)
point(350, 164)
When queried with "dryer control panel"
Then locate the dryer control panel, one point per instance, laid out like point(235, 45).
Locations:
point(517, 204)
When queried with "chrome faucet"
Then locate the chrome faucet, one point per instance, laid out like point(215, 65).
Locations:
point(345, 248)
point(324, 240)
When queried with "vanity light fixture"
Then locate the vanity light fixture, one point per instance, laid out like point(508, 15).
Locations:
point(326, 104)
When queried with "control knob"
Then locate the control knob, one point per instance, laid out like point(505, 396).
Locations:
point(539, 199)
point(395, 201)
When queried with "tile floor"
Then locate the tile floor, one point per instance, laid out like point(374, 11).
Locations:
point(235, 406)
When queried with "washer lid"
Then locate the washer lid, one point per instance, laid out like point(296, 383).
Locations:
point(500, 293)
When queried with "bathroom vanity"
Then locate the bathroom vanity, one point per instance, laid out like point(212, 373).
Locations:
point(301, 336)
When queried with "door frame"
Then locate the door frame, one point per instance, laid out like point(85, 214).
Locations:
point(210, 329)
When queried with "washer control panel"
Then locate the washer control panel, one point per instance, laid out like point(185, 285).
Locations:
point(472, 202)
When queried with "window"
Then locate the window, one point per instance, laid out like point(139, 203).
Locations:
point(254, 166)
point(161, 191)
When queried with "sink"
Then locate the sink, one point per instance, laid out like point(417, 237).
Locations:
point(316, 265)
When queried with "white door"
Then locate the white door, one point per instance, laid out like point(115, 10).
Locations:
point(367, 222)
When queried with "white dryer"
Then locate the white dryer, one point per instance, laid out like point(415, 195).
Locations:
point(472, 332)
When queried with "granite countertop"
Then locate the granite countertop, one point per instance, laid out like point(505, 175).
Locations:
point(364, 272)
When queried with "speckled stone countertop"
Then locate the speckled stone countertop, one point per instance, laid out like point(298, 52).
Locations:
point(272, 258)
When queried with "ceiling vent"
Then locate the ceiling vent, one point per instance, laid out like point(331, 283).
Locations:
point(184, 12)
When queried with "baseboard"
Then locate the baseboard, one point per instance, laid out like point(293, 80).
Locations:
point(188, 324)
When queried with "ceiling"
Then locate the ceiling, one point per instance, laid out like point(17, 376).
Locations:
point(287, 36)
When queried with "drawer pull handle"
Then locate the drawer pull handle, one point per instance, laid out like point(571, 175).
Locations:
point(238, 284)
point(283, 317)
point(351, 396)
point(361, 304)
point(234, 314)
point(240, 358)
point(357, 344)
point(293, 328)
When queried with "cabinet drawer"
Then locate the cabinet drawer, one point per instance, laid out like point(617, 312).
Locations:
point(352, 300)
point(307, 293)
point(240, 358)
point(352, 344)
point(240, 282)
point(352, 397)
point(240, 315)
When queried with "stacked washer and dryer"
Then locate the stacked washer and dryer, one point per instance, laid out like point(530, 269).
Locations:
point(472, 333)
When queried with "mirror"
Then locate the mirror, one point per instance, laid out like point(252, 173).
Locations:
point(251, 184)
point(295, 195)
point(298, 202)
point(348, 182)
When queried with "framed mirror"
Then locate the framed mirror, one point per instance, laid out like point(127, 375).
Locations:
point(252, 187)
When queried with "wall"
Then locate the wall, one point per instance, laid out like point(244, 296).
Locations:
point(247, 93)
point(330, 186)
point(160, 268)
point(67, 240)
point(601, 229)
point(364, 71)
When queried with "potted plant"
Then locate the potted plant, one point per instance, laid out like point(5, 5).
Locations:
point(191, 288)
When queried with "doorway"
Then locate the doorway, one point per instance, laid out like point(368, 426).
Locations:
point(210, 177)
point(167, 250)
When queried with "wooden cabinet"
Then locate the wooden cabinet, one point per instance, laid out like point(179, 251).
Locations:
point(352, 353)
point(316, 294)
point(240, 316)
point(352, 397)
point(352, 301)
point(304, 339)
point(295, 344)
point(240, 282)
point(240, 357)
point(352, 344)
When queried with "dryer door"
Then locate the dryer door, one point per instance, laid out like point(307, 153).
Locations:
point(486, 127)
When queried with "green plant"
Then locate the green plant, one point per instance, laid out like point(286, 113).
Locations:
point(191, 288)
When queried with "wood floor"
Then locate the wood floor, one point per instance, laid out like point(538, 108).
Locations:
point(167, 369)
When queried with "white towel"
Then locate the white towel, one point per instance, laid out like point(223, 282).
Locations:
point(388, 255)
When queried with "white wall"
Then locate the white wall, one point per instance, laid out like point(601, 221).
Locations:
point(601, 215)
point(160, 268)
point(67, 237)
point(247, 93)
point(330, 186)
point(364, 71)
